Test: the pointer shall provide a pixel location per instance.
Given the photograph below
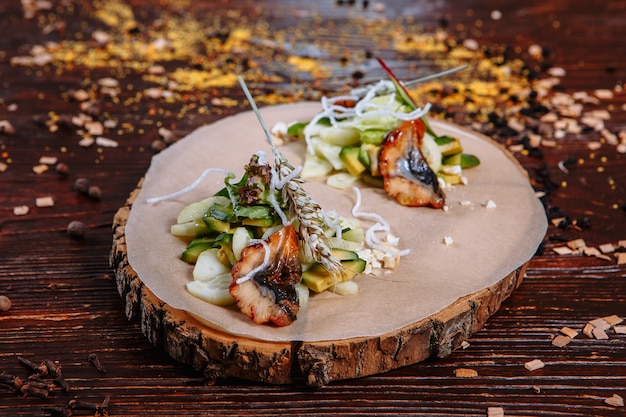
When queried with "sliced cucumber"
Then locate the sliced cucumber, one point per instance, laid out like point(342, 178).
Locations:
point(355, 234)
point(303, 294)
point(328, 152)
point(373, 136)
point(209, 265)
point(189, 229)
point(344, 254)
point(340, 136)
point(191, 253)
point(197, 210)
point(315, 166)
point(449, 145)
point(214, 290)
point(217, 225)
point(296, 129)
point(267, 222)
point(341, 180)
point(469, 161)
point(338, 243)
point(241, 238)
point(431, 152)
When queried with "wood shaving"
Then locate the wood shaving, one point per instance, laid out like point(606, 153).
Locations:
point(591, 251)
point(615, 400)
point(607, 248)
point(106, 142)
point(576, 244)
point(612, 320)
point(567, 331)
point(557, 221)
point(94, 128)
point(611, 138)
point(561, 340)
point(40, 169)
point(603, 93)
point(534, 365)
point(619, 329)
point(465, 373)
point(44, 201)
point(600, 324)
point(621, 258)
point(563, 250)
point(495, 412)
point(20, 210)
point(588, 330)
point(86, 142)
point(599, 334)
point(48, 160)
point(80, 95)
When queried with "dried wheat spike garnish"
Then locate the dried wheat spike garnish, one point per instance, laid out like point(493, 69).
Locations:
point(534, 365)
point(310, 215)
point(465, 373)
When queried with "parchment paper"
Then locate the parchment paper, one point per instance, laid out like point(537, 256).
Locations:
point(488, 243)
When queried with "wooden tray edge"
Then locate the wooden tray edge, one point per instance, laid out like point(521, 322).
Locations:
point(220, 355)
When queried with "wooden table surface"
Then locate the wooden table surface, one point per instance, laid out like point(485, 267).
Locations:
point(146, 70)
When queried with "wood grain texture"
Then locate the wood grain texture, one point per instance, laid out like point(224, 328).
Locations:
point(66, 303)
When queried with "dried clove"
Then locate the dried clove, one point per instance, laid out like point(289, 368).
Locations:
point(95, 361)
point(54, 370)
point(77, 404)
point(31, 366)
point(10, 381)
point(62, 383)
point(35, 388)
point(103, 408)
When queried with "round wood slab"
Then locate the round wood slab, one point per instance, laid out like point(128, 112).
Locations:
point(222, 343)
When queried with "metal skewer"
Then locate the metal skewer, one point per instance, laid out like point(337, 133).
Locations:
point(437, 75)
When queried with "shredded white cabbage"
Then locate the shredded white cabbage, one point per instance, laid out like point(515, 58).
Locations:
point(381, 225)
point(342, 116)
point(190, 187)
